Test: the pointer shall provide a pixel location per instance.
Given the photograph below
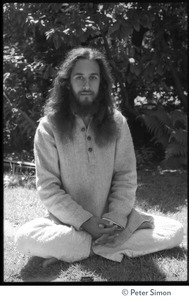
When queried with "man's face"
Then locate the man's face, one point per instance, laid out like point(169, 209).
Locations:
point(85, 81)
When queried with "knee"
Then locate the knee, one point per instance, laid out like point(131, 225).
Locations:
point(171, 228)
point(19, 239)
point(179, 232)
point(27, 234)
point(23, 237)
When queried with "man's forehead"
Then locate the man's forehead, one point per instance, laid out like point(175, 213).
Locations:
point(86, 65)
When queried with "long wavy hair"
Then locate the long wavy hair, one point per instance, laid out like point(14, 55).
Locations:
point(58, 105)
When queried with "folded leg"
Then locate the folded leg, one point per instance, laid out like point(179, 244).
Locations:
point(167, 233)
point(44, 238)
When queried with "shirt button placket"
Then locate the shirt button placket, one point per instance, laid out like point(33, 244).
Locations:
point(90, 149)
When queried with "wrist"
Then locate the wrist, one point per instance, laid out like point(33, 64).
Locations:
point(113, 223)
point(85, 224)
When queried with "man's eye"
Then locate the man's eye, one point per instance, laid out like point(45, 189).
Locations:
point(93, 77)
point(80, 78)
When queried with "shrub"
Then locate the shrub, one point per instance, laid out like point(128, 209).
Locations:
point(170, 130)
point(144, 156)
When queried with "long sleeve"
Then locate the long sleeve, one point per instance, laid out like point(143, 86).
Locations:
point(48, 180)
point(124, 183)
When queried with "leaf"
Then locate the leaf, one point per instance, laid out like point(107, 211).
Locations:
point(163, 140)
point(57, 41)
point(131, 51)
point(163, 117)
point(132, 68)
point(152, 123)
point(160, 70)
point(178, 115)
point(144, 21)
point(125, 29)
point(6, 76)
point(137, 70)
point(26, 123)
point(136, 22)
point(57, 7)
point(136, 26)
point(129, 78)
point(180, 136)
point(6, 112)
point(175, 149)
point(47, 72)
point(151, 16)
point(156, 128)
point(66, 31)
point(114, 27)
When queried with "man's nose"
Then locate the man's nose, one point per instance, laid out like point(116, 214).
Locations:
point(86, 83)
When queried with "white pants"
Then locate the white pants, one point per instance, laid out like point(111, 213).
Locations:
point(44, 238)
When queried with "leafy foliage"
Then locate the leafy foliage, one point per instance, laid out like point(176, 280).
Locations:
point(144, 156)
point(145, 43)
point(169, 129)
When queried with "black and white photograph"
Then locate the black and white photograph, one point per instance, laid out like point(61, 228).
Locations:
point(95, 145)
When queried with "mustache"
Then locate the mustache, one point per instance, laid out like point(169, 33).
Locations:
point(86, 92)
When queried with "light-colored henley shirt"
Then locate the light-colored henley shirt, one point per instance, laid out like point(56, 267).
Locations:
point(79, 179)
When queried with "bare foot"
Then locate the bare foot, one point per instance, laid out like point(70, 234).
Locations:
point(49, 261)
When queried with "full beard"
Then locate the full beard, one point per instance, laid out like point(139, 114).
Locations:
point(85, 108)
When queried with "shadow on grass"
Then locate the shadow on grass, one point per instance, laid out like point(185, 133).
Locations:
point(164, 192)
point(129, 270)
point(33, 271)
point(139, 269)
point(177, 252)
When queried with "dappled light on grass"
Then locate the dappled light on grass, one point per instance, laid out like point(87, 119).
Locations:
point(165, 193)
point(26, 203)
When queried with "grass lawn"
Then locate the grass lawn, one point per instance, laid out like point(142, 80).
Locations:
point(163, 194)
